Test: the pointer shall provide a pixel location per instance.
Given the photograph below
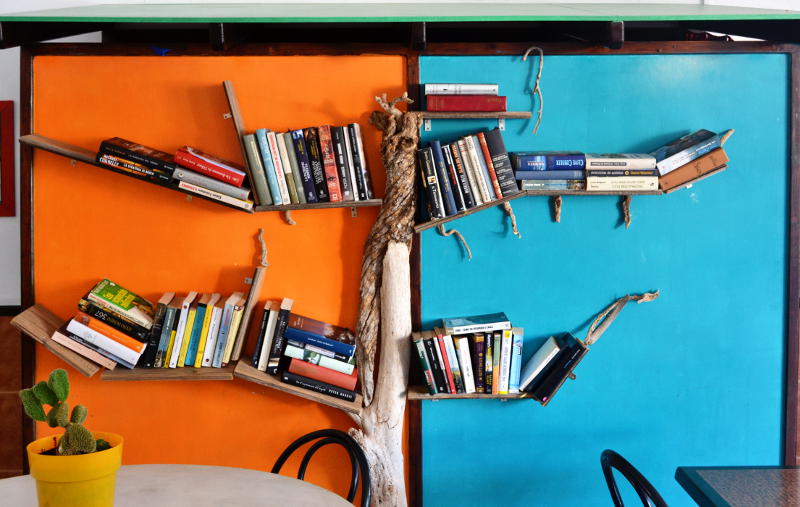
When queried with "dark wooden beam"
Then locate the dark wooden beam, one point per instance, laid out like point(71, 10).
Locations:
point(419, 37)
point(216, 36)
point(775, 30)
point(17, 33)
point(616, 35)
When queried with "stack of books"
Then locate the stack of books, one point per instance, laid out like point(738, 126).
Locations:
point(551, 365)
point(112, 326)
point(305, 352)
point(550, 170)
point(466, 173)
point(310, 165)
point(463, 97)
point(689, 159)
point(480, 354)
point(620, 172)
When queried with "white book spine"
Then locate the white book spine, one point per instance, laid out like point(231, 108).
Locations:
point(246, 205)
point(478, 173)
point(621, 183)
point(269, 333)
point(364, 170)
point(461, 89)
point(277, 163)
point(103, 342)
point(466, 160)
point(84, 350)
point(484, 169)
point(466, 364)
point(452, 358)
point(176, 345)
point(213, 333)
point(211, 184)
point(480, 328)
point(349, 161)
point(599, 163)
point(441, 362)
point(516, 361)
point(505, 361)
point(222, 335)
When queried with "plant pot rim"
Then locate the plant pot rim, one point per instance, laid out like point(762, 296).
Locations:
point(42, 444)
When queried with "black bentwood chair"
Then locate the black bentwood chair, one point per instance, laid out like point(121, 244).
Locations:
point(647, 493)
point(358, 461)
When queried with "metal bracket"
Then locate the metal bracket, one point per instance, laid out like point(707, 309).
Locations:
point(427, 124)
point(227, 116)
point(501, 123)
point(248, 281)
point(354, 212)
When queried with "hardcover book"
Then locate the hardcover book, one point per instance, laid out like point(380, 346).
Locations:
point(430, 183)
point(548, 160)
point(467, 191)
point(685, 149)
point(476, 323)
point(226, 199)
point(572, 351)
point(288, 170)
point(139, 153)
point(317, 386)
point(303, 161)
point(315, 160)
point(342, 169)
point(120, 300)
point(209, 165)
point(278, 341)
point(501, 163)
point(537, 363)
point(134, 168)
point(322, 374)
point(329, 163)
point(241, 193)
point(466, 103)
point(460, 89)
point(443, 178)
point(263, 161)
point(694, 169)
point(292, 156)
point(114, 320)
point(566, 174)
point(609, 161)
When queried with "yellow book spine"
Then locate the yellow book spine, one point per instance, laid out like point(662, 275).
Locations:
point(201, 346)
point(187, 336)
point(169, 348)
point(234, 329)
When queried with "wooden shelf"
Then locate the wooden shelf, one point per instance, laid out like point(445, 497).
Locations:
point(421, 393)
point(322, 205)
point(187, 373)
point(588, 192)
point(247, 372)
point(510, 115)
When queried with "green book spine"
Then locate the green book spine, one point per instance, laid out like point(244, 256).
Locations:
point(259, 182)
point(124, 302)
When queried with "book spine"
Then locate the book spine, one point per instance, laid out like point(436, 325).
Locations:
point(103, 342)
point(594, 163)
point(213, 334)
point(197, 164)
point(116, 321)
point(479, 328)
point(262, 330)
point(516, 362)
point(465, 361)
point(179, 332)
point(548, 386)
point(222, 337)
point(487, 158)
point(550, 175)
point(358, 162)
point(436, 365)
point(548, 162)
point(460, 89)
point(441, 356)
point(310, 356)
point(362, 161)
point(426, 368)
point(201, 343)
point(83, 350)
point(443, 178)
point(497, 345)
point(430, 183)
point(301, 152)
point(358, 191)
point(199, 180)
point(317, 386)
point(280, 176)
point(111, 333)
point(315, 372)
point(478, 354)
point(147, 359)
point(269, 335)
point(329, 163)
point(694, 169)
point(278, 342)
point(337, 138)
point(481, 172)
point(191, 323)
point(552, 184)
point(643, 183)
point(488, 374)
point(245, 205)
point(266, 165)
point(684, 157)
point(315, 159)
point(609, 173)
point(139, 158)
point(463, 153)
point(463, 180)
point(501, 162)
point(137, 169)
point(236, 321)
point(452, 176)
point(288, 174)
point(466, 103)
point(108, 355)
point(163, 342)
point(452, 359)
point(319, 350)
point(307, 337)
point(505, 361)
point(292, 156)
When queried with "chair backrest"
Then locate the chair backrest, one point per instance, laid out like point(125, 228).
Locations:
point(647, 493)
point(358, 461)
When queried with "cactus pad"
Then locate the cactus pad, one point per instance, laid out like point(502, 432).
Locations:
point(32, 405)
point(59, 383)
point(45, 394)
point(78, 414)
point(76, 440)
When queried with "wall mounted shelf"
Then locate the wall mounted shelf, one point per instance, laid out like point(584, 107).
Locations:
point(137, 374)
point(421, 393)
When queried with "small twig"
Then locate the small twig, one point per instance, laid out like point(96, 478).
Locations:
point(263, 244)
point(443, 232)
point(537, 89)
point(510, 212)
point(626, 209)
point(287, 215)
point(557, 203)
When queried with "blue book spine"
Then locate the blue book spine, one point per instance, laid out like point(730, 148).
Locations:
point(687, 155)
point(191, 350)
point(304, 164)
point(301, 336)
point(269, 167)
point(550, 175)
point(542, 162)
point(516, 363)
point(444, 180)
point(224, 326)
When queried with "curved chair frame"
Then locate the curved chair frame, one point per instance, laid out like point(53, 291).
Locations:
point(647, 493)
point(358, 460)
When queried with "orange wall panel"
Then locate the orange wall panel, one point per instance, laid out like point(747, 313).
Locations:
point(90, 223)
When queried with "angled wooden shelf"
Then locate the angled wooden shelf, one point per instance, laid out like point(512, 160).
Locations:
point(466, 115)
point(322, 205)
point(187, 373)
point(421, 393)
point(90, 157)
point(434, 223)
point(247, 372)
point(592, 192)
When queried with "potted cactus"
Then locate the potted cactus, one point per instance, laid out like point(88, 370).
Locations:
point(78, 468)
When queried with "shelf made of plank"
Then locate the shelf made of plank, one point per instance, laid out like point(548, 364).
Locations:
point(434, 223)
point(421, 393)
point(185, 373)
point(321, 205)
point(247, 372)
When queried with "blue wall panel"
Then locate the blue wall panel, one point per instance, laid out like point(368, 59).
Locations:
point(694, 378)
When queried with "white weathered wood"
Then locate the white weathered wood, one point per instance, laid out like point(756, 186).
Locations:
point(381, 434)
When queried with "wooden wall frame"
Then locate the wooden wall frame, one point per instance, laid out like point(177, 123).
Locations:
point(791, 439)
point(8, 162)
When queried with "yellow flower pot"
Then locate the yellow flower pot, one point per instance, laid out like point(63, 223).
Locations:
point(84, 480)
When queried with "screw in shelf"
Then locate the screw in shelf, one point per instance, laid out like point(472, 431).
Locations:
point(354, 212)
point(501, 123)
point(427, 124)
point(227, 116)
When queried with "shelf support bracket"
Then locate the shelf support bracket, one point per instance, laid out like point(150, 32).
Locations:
point(427, 124)
point(501, 123)
point(557, 203)
point(625, 207)
point(615, 34)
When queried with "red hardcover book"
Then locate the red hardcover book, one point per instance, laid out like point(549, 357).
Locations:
point(472, 103)
point(316, 372)
point(448, 371)
point(329, 163)
point(211, 166)
point(489, 164)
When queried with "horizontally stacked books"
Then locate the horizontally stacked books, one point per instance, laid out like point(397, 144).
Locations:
point(679, 163)
point(305, 352)
point(463, 97)
point(310, 165)
point(466, 173)
point(480, 354)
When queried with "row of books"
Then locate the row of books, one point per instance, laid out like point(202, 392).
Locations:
point(305, 352)
point(469, 172)
point(463, 97)
point(676, 164)
point(310, 165)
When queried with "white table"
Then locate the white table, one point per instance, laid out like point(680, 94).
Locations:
point(195, 486)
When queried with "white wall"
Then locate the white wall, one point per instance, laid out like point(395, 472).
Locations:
point(9, 90)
